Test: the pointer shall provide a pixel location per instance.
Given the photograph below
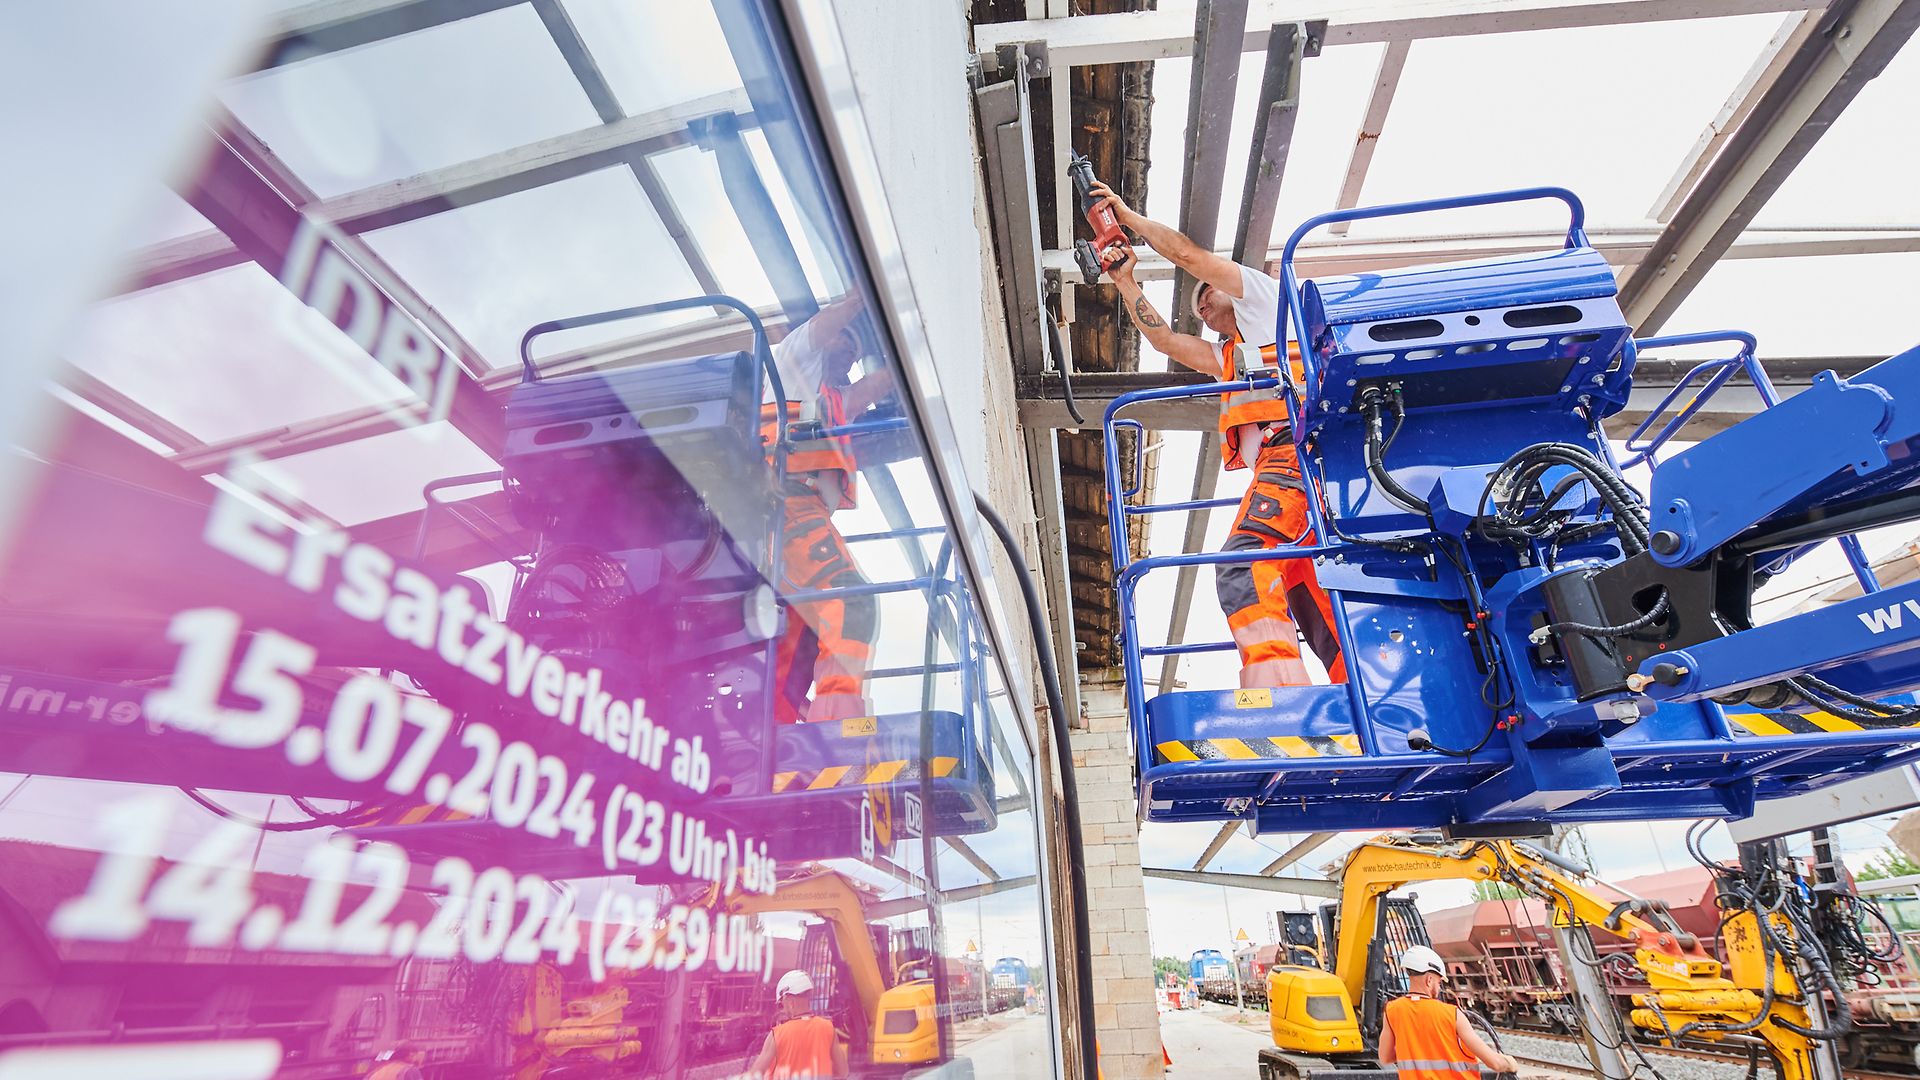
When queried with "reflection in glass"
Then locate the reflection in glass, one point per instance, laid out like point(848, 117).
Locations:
point(608, 702)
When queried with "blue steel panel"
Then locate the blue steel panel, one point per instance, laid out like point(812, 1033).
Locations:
point(1319, 711)
point(1711, 492)
point(1507, 281)
point(1877, 625)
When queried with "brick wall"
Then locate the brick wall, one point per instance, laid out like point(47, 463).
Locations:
point(1124, 1011)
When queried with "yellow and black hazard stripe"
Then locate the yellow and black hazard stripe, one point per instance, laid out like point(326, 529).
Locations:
point(844, 776)
point(1792, 723)
point(1252, 748)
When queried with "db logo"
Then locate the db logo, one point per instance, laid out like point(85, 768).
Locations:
point(876, 825)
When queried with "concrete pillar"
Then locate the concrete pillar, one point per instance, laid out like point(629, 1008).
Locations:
point(1125, 1015)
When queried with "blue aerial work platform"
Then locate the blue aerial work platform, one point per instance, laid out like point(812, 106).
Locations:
point(1525, 638)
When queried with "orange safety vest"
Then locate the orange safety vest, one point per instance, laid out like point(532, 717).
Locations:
point(803, 1047)
point(1426, 1040)
point(833, 453)
point(1251, 406)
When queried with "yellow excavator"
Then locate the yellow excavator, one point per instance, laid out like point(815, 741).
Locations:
point(902, 1017)
point(592, 1029)
point(1324, 1023)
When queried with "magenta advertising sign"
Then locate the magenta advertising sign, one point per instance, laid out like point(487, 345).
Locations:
point(479, 604)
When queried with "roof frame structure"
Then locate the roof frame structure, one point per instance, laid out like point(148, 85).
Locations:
point(1161, 35)
point(1852, 44)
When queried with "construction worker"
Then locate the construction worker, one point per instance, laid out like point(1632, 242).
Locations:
point(827, 647)
point(801, 1044)
point(1262, 600)
point(1425, 1038)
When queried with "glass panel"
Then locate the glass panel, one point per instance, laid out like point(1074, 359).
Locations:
point(656, 55)
point(228, 354)
point(347, 120)
point(497, 267)
point(363, 712)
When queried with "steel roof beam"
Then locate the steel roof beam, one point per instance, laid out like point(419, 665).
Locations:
point(1621, 246)
point(327, 26)
point(508, 172)
point(1308, 845)
point(1158, 35)
point(1386, 80)
point(1287, 46)
point(1758, 81)
point(1218, 26)
point(1042, 405)
point(1219, 841)
point(1847, 50)
point(1296, 885)
point(1043, 473)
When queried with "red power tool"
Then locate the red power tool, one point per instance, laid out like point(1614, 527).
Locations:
point(1092, 256)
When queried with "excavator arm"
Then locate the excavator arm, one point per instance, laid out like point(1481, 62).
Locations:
point(833, 899)
point(1688, 993)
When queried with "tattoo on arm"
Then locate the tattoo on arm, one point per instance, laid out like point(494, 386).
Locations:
point(1144, 312)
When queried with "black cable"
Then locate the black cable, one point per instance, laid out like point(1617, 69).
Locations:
point(1487, 643)
point(1518, 473)
point(1060, 361)
point(1069, 792)
point(1832, 699)
point(1653, 615)
point(341, 819)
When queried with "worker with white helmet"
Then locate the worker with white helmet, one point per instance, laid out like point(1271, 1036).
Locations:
point(1425, 1038)
point(801, 1044)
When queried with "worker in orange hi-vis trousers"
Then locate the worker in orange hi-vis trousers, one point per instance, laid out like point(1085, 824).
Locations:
point(827, 644)
point(1263, 600)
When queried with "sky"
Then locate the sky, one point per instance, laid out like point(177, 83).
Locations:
point(1513, 110)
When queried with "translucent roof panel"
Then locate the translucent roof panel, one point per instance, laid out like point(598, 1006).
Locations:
point(692, 181)
point(1837, 305)
point(228, 354)
point(1862, 169)
point(165, 216)
point(1555, 107)
point(343, 121)
point(1334, 89)
point(654, 55)
point(379, 476)
point(591, 243)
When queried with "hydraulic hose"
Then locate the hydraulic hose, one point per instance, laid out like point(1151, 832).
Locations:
point(1069, 792)
point(1377, 444)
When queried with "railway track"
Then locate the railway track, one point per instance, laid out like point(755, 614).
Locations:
point(1733, 1058)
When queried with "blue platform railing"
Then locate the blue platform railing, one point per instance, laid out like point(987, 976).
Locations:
point(1714, 375)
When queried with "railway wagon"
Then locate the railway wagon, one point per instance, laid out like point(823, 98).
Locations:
point(1502, 962)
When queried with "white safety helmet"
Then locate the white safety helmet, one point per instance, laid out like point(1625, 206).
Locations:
point(1419, 958)
point(793, 982)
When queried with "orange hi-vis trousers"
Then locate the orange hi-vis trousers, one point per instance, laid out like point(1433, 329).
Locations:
point(828, 645)
point(1274, 514)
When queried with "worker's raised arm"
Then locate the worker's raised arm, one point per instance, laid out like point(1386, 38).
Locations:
point(1477, 1046)
point(1183, 349)
point(1216, 270)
